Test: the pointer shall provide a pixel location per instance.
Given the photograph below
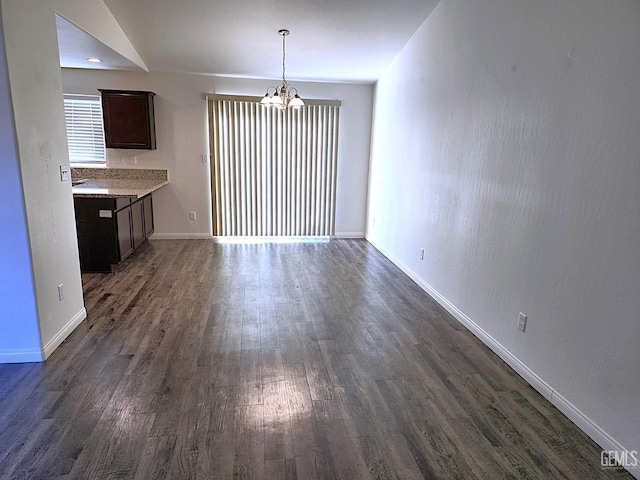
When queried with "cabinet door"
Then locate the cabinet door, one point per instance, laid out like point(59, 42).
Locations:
point(97, 233)
point(129, 119)
point(137, 223)
point(148, 216)
point(125, 237)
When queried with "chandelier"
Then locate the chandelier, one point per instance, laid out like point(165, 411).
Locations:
point(285, 95)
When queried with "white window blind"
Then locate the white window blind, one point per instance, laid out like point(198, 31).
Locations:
point(85, 131)
point(273, 172)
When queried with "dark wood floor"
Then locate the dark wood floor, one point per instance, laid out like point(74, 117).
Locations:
point(278, 361)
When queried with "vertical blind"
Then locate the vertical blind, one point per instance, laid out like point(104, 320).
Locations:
point(273, 171)
point(85, 132)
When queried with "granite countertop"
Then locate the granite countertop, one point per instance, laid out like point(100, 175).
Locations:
point(116, 188)
point(116, 182)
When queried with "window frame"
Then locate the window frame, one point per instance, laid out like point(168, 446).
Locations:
point(85, 141)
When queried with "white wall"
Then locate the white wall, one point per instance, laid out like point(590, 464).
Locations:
point(20, 338)
point(35, 86)
point(181, 124)
point(514, 159)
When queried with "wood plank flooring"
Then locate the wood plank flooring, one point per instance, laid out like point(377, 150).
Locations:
point(276, 361)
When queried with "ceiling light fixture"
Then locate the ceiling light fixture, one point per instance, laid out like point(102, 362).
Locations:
point(285, 96)
point(94, 60)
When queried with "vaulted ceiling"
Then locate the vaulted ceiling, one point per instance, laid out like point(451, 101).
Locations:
point(330, 40)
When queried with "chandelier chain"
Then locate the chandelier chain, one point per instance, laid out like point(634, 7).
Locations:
point(284, 52)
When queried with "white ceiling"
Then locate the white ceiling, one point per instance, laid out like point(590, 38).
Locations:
point(76, 47)
point(330, 40)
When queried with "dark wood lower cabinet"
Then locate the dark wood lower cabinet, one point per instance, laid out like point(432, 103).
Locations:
point(110, 229)
point(125, 239)
point(147, 203)
point(137, 223)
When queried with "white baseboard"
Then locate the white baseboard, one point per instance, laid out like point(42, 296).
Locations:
point(63, 333)
point(181, 236)
point(208, 236)
point(41, 354)
point(588, 426)
point(592, 429)
point(278, 239)
point(349, 235)
point(21, 356)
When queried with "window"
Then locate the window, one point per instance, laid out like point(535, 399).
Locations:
point(85, 131)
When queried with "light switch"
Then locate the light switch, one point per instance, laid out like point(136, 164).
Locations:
point(65, 173)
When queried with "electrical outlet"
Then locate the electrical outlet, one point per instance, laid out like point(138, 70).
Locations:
point(205, 158)
point(522, 322)
point(422, 254)
point(192, 215)
point(61, 292)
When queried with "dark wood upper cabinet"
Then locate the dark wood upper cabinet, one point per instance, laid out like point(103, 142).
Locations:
point(129, 119)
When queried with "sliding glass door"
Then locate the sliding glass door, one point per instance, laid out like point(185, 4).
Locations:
point(273, 172)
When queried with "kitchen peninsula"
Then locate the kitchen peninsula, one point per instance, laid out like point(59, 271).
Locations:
point(114, 213)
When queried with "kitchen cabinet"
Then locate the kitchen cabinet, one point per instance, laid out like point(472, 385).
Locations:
point(147, 203)
point(129, 119)
point(137, 224)
point(111, 229)
point(123, 233)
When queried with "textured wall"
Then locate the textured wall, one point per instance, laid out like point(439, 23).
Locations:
point(36, 87)
point(20, 336)
point(506, 143)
